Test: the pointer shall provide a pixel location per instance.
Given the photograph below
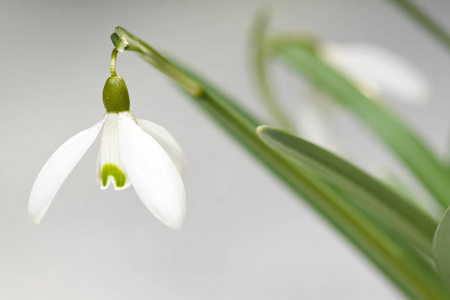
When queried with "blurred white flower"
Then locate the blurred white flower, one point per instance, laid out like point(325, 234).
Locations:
point(376, 71)
point(132, 151)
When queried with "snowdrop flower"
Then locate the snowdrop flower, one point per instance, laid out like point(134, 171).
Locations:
point(376, 71)
point(132, 152)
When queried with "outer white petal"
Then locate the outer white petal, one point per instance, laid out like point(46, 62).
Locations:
point(166, 140)
point(152, 173)
point(56, 170)
point(378, 70)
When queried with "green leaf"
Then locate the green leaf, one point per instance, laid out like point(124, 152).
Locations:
point(441, 247)
point(425, 20)
point(403, 142)
point(384, 206)
point(409, 270)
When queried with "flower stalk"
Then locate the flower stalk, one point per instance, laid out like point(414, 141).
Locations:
point(123, 39)
point(260, 66)
point(113, 62)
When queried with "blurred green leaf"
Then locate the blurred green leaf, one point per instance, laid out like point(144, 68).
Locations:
point(384, 206)
point(425, 20)
point(441, 247)
point(403, 142)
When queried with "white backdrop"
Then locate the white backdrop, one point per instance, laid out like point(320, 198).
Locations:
point(246, 236)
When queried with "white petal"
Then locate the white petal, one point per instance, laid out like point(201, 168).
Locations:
point(166, 140)
point(152, 173)
point(56, 170)
point(378, 70)
point(109, 165)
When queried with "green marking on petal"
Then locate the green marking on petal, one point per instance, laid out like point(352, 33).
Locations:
point(115, 172)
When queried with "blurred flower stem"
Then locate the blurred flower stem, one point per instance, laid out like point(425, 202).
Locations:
point(408, 269)
point(260, 67)
point(425, 20)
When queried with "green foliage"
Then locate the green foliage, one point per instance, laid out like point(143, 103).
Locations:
point(402, 141)
point(393, 233)
point(387, 209)
point(441, 247)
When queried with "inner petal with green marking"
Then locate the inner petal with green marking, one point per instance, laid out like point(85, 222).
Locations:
point(111, 170)
point(109, 165)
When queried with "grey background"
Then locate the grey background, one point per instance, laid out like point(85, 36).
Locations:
point(246, 236)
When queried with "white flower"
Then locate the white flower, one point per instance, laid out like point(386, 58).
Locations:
point(132, 152)
point(376, 71)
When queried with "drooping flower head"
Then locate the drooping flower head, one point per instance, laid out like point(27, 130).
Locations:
point(132, 152)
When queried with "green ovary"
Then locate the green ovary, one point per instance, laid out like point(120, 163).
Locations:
point(115, 172)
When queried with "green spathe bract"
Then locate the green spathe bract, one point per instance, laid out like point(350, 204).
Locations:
point(115, 172)
point(115, 95)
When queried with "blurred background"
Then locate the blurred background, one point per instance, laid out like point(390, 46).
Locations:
point(246, 236)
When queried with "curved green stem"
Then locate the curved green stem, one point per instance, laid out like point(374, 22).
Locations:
point(260, 66)
point(426, 21)
point(113, 62)
point(123, 39)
